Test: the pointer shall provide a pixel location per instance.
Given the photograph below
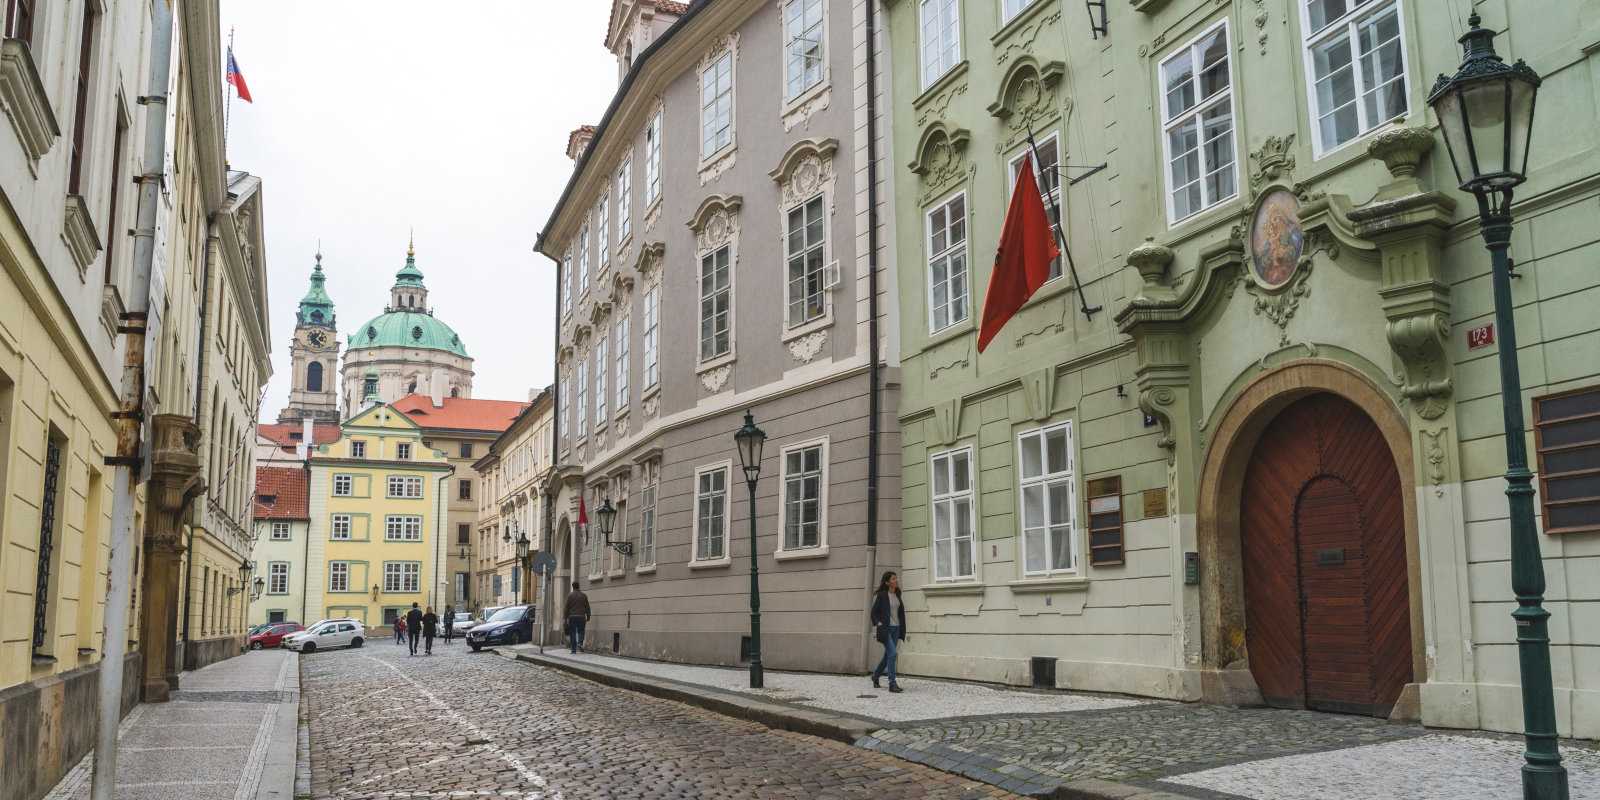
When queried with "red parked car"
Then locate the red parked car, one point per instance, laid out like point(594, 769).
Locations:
point(272, 635)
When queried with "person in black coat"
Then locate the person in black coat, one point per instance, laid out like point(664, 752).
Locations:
point(430, 629)
point(414, 627)
point(889, 622)
point(449, 622)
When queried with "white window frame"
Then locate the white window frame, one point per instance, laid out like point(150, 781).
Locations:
point(402, 528)
point(277, 579)
point(583, 259)
point(1349, 23)
point(602, 366)
point(1011, 9)
point(335, 533)
point(1043, 481)
point(581, 420)
point(947, 254)
point(949, 52)
point(952, 497)
point(602, 230)
point(563, 403)
point(567, 282)
point(821, 547)
point(794, 47)
point(335, 573)
point(349, 487)
point(402, 451)
point(717, 130)
point(280, 531)
point(699, 559)
point(1052, 197)
point(410, 487)
point(624, 201)
point(652, 162)
point(358, 448)
point(821, 277)
point(651, 336)
point(1195, 112)
point(623, 367)
point(402, 577)
point(727, 290)
point(647, 522)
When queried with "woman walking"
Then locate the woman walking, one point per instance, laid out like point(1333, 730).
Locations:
point(399, 630)
point(430, 629)
point(449, 622)
point(889, 622)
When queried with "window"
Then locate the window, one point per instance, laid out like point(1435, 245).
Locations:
point(496, 583)
point(566, 277)
point(343, 486)
point(1197, 110)
point(803, 53)
point(314, 376)
point(1044, 472)
point(947, 264)
point(1009, 9)
point(804, 245)
point(463, 533)
point(1356, 58)
point(402, 451)
point(583, 259)
point(339, 527)
point(804, 495)
point(711, 514)
point(402, 528)
point(464, 490)
point(405, 486)
point(280, 531)
point(647, 526)
point(954, 547)
point(602, 230)
point(1567, 440)
point(370, 389)
point(652, 162)
point(358, 448)
point(402, 576)
point(716, 105)
point(715, 300)
point(278, 577)
point(623, 367)
point(602, 365)
point(624, 200)
point(19, 20)
point(563, 402)
point(1047, 172)
point(583, 397)
point(652, 302)
point(466, 449)
point(80, 120)
point(941, 38)
point(117, 183)
point(49, 518)
point(338, 576)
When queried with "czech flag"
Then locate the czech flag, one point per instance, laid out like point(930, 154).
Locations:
point(1022, 262)
point(583, 511)
point(236, 78)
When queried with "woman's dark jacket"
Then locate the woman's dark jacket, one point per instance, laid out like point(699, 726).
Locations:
point(880, 615)
point(430, 624)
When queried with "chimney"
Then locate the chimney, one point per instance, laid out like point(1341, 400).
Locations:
point(303, 449)
point(533, 395)
point(578, 141)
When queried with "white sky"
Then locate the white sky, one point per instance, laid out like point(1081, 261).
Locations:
point(375, 116)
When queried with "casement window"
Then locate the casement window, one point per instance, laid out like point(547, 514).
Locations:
point(602, 366)
point(623, 367)
point(402, 576)
point(1047, 172)
point(940, 22)
point(338, 576)
point(19, 20)
point(497, 583)
point(280, 531)
point(339, 527)
point(278, 577)
point(49, 522)
point(805, 496)
point(343, 486)
point(464, 489)
point(583, 259)
point(616, 558)
point(954, 545)
point(1197, 114)
point(358, 448)
point(563, 402)
point(602, 230)
point(1356, 61)
point(711, 513)
point(1567, 440)
point(1047, 495)
point(597, 545)
point(466, 450)
point(807, 292)
point(405, 486)
point(947, 264)
point(625, 200)
point(402, 451)
point(402, 528)
point(463, 533)
point(652, 161)
point(716, 105)
point(582, 411)
point(80, 119)
point(716, 301)
point(647, 523)
point(112, 221)
point(652, 304)
point(1009, 9)
point(803, 46)
point(566, 282)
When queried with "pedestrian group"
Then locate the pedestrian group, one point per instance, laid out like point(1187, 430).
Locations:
point(420, 627)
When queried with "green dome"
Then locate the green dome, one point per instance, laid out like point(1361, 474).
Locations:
point(316, 308)
point(407, 329)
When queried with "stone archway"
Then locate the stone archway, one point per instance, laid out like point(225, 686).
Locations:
point(1236, 433)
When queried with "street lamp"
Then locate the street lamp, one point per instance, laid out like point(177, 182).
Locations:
point(259, 585)
point(525, 558)
point(750, 439)
point(1486, 114)
point(608, 522)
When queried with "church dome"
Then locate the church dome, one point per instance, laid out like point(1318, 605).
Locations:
point(406, 329)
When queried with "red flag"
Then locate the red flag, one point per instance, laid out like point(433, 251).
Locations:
point(1022, 262)
point(236, 78)
point(583, 511)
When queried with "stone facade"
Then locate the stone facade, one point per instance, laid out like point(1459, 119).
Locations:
point(512, 504)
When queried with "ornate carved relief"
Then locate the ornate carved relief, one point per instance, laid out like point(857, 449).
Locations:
point(714, 379)
point(1273, 159)
point(651, 405)
point(1419, 340)
point(1025, 38)
point(652, 215)
point(1045, 318)
point(651, 256)
point(940, 159)
point(802, 112)
point(806, 348)
point(1039, 392)
point(1433, 452)
point(805, 169)
point(1157, 401)
point(1260, 19)
point(959, 360)
point(939, 106)
point(1279, 307)
point(622, 426)
point(716, 222)
point(1027, 97)
point(945, 425)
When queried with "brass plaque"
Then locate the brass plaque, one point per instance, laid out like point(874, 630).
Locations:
point(1155, 503)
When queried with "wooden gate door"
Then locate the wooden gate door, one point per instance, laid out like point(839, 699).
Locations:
point(1327, 615)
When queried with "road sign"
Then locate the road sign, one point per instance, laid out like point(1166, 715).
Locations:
point(544, 563)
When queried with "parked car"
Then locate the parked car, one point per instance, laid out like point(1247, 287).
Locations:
point(272, 635)
point(327, 634)
point(509, 625)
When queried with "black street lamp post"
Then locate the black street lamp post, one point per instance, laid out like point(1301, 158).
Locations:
point(1485, 112)
point(750, 440)
point(525, 558)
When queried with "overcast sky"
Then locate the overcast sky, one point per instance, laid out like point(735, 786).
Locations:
point(372, 117)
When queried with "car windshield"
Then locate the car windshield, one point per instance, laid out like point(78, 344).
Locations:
point(509, 612)
point(324, 627)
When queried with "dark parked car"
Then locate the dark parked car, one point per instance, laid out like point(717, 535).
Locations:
point(509, 625)
point(272, 635)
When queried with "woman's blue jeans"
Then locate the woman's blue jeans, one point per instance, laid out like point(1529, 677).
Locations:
point(891, 652)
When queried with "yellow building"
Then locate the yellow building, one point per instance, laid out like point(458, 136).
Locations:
point(379, 503)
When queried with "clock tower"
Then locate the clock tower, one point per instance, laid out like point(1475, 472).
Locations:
point(313, 389)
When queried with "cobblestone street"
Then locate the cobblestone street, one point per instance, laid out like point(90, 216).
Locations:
point(459, 724)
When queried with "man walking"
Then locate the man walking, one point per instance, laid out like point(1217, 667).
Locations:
point(449, 622)
point(430, 629)
point(414, 626)
point(577, 614)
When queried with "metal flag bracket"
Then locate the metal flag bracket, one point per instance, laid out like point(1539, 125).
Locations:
point(1055, 219)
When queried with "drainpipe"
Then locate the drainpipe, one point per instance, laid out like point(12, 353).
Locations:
point(199, 407)
point(548, 540)
point(130, 414)
point(874, 376)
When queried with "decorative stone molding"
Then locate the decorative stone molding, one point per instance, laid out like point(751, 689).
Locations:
point(805, 169)
point(714, 165)
point(621, 287)
point(25, 103)
point(1420, 341)
point(1260, 20)
point(1148, 6)
point(958, 360)
point(1274, 159)
point(1039, 393)
point(1279, 305)
point(716, 378)
point(1151, 260)
point(651, 405)
point(806, 348)
point(944, 428)
point(621, 425)
point(934, 104)
point(77, 231)
point(174, 478)
point(807, 106)
point(1433, 453)
point(652, 215)
point(940, 159)
point(1027, 98)
point(1040, 319)
point(718, 164)
point(716, 222)
point(1157, 401)
point(1023, 41)
point(1401, 149)
point(651, 256)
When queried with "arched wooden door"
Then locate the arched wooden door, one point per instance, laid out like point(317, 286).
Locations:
point(1327, 608)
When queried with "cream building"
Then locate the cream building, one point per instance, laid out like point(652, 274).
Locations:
point(514, 471)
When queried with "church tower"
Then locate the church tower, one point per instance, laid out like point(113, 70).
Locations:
point(314, 390)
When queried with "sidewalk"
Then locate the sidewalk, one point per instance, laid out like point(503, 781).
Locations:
point(229, 733)
point(1061, 744)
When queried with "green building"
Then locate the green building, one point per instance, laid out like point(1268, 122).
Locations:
point(1268, 467)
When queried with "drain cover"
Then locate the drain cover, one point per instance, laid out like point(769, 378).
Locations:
point(866, 696)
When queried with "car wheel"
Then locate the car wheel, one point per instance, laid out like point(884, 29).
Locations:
point(356, 642)
point(308, 647)
point(255, 645)
point(476, 646)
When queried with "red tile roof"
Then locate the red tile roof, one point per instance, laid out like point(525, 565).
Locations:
point(460, 413)
point(287, 434)
point(281, 493)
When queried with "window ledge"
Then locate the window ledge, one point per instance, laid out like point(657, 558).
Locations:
point(650, 391)
point(713, 166)
point(708, 564)
point(616, 573)
point(622, 411)
point(1022, 18)
point(806, 104)
point(26, 102)
point(1203, 222)
point(1057, 584)
point(648, 569)
point(955, 331)
point(77, 230)
point(801, 553)
point(952, 589)
point(944, 81)
point(712, 363)
point(824, 321)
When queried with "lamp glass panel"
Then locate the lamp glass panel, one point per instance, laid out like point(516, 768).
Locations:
point(1522, 96)
point(1486, 119)
point(1448, 108)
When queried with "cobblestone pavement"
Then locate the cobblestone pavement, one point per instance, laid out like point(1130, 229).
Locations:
point(460, 724)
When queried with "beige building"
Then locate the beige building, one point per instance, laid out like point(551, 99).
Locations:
point(514, 471)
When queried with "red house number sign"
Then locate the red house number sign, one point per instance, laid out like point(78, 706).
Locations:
point(1481, 336)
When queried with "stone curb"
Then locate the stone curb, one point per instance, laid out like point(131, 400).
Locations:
point(302, 750)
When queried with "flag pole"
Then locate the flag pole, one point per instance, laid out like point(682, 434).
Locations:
point(227, 112)
point(1055, 219)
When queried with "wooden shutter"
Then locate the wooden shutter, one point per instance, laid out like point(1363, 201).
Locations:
point(1567, 439)
point(1104, 502)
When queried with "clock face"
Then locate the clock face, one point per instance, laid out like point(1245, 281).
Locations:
point(317, 338)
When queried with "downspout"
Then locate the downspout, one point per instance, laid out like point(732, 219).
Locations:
point(441, 511)
point(874, 398)
point(199, 405)
point(548, 539)
point(305, 562)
